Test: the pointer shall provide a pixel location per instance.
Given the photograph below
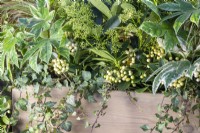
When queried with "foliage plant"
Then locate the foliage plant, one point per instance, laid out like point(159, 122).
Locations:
point(93, 47)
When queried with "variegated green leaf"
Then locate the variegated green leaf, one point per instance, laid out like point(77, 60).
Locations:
point(180, 21)
point(152, 6)
point(195, 17)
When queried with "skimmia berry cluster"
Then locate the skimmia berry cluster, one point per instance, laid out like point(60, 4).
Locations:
point(122, 75)
point(178, 83)
point(156, 52)
point(60, 66)
point(72, 47)
point(197, 74)
point(130, 60)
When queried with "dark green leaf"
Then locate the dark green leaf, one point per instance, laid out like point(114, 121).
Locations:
point(112, 23)
point(86, 75)
point(22, 104)
point(145, 127)
point(67, 126)
point(123, 85)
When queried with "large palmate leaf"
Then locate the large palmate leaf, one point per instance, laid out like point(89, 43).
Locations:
point(42, 49)
point(152, 6)
point(170, 73)
point(8, 52)
point(33, 61)
point(31, 51)
point(184, 10)
point(161, 30)
point(46, 52)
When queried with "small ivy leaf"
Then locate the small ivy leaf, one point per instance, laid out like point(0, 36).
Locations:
point(86, 75)
point(6, 120)
point(49, 104)
point(36, 88)
point(123, 85)
point(67, 126)
point(22, 104)
point(145, 127)
point(160, 127)
point(71, 100)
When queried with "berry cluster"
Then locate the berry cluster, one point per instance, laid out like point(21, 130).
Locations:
point(197, 74)
point(130, 60)
point(118, 76)
point(72, 47)
point(173, 59)
point(157, 52)
point(178, 83)
point(60, 66)
point(144, 75)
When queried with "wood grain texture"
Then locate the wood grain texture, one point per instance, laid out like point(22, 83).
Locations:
point(122, 116)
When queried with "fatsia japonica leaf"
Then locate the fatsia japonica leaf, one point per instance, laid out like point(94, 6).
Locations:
point(46, 52)
point(153, 29)
point(169, 6)
point(169, 64)
point(31, 51)
point(33, 61)
point(178, 71)
point(170, 73)
point(56, 29)
point(101, 7)
point(180, 21)
point(152, 6)
point(161, 30)
point(197, 62)
point(195, 17)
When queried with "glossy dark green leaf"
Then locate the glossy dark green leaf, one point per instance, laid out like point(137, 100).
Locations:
point(112, 23)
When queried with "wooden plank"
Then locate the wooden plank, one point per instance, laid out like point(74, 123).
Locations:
point(122, 116)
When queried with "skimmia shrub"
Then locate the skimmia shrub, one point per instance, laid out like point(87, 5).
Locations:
point(93, 47)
